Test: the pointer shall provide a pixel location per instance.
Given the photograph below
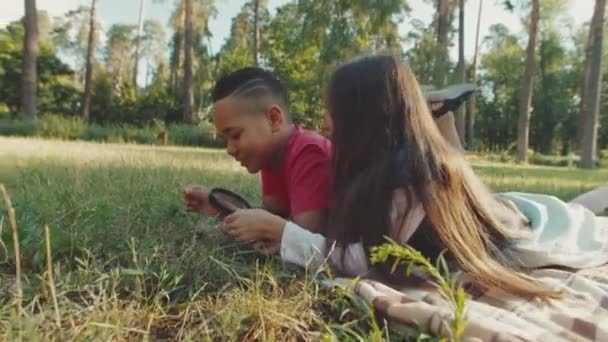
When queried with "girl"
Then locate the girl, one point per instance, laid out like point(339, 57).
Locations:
point(396, 176)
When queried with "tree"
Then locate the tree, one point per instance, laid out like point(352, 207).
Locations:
point(201, 11)
point(473, 101)
point(555, 92)
point(443, 19)
point(188, 88)
point(54, 90)
point(590, 92)
point(461, 115)
point(256, 31)
point(523, 127)
point(247, 31)
point(154, 46)
point(70, 37)
point(294, 58)
point(119, 52)
point(421, 57)
point(86, 99)
point(140, 28)
point(30, 54)
point(308, 38)
point(500, 79)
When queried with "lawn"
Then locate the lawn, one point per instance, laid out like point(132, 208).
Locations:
point(130, 264)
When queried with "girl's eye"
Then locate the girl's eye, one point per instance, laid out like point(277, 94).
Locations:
point(236, 136)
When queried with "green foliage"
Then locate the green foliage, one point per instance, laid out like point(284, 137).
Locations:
point(55, 126)
point(59, 127)
point(422, 56)
point(17, 128)
point(502, 73)
point(119, 50)
point(448, 285)
point(306, 40)
point(295, 62)
point(55, 91)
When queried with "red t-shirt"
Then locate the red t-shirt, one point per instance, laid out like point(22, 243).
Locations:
point(303, 180)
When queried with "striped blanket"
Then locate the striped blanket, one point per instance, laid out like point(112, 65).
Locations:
point(582, 315)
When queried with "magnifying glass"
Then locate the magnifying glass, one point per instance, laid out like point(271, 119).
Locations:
point(226, 201)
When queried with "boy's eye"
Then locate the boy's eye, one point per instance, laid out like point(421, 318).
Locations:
point(235, 136)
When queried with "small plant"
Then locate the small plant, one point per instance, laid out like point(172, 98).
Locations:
point(448, 285)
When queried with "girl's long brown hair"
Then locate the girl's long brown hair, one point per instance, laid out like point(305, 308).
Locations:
point(381, 123)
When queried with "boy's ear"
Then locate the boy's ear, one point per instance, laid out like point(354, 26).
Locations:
point(275, 117)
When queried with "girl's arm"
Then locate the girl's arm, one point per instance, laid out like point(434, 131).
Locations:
point(447, 127)
point(310, 250)
point(307, 249)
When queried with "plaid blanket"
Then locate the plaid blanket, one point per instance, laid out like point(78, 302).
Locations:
point(581, 315)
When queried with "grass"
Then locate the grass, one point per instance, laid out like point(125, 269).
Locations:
point(129, 263)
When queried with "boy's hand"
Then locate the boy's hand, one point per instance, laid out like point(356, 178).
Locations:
point(254, 224)
point(196, 198)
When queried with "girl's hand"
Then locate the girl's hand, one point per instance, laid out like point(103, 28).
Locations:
point(254, 224)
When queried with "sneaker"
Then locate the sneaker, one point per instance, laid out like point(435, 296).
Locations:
point(448, 99)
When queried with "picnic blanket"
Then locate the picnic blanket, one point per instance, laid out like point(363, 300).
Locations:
point(582, 315)
point(568, 242)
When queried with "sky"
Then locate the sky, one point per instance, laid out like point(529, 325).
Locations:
point(126, 11)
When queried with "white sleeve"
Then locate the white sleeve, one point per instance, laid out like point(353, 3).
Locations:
point(309, 250)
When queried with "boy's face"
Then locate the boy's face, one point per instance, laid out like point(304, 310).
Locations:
point(328, 126)
point(249, 131)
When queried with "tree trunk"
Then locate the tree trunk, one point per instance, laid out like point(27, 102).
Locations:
point(177, 50)
point(523, 128)
point(473, 101)
point(461, 115)
point(581, 105)
point(593, 83)
point(544, 138)
point(30, 54)
point(256, 31)
point(443, 27)
point(188, 91)
point(86, 100)
point(140, 28)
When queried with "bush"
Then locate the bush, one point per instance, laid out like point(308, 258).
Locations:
point(202, 135)
point(57, 126)
point(17, 128)
point(540, 159)
point(73, 128)
point(97, 133)
point(603, 158)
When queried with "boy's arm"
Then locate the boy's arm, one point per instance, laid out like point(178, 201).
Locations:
point(310, 188)
point(311, 219)
point(270, 204)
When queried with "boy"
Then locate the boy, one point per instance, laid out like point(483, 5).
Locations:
point(252, 115)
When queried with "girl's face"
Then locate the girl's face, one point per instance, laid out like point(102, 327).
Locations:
point(327, 126)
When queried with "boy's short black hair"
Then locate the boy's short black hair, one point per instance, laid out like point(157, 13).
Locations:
point(251, 82)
